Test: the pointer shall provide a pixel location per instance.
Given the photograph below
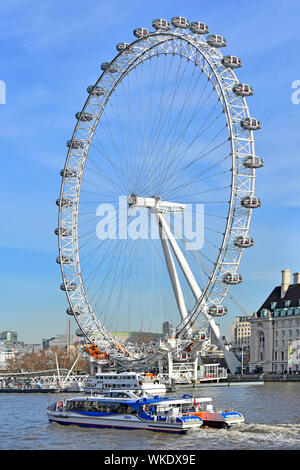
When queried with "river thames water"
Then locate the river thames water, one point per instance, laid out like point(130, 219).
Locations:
point(271, 410)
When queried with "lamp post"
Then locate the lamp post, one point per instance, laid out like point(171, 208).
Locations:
point(242, 359)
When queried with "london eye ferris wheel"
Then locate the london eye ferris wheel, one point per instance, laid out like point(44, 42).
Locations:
point(157, 189)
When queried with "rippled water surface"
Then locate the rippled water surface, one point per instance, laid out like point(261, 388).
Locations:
point(272, 415)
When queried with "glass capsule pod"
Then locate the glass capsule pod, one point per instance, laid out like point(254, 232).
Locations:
point(242, 89)
point(243, 241)
point(69, 287)
point(251, 202)
point(217, 310)
point(180, 22)
point(251, 124)
point(216, 40)
point(141, 32)
point(84, 116)
point(252, 161)
point(105, 66)
point(95, 90)
point(64, 202)
point(76, 143)
point(68, 173)
point(231, 61)
point(76, 310)
point(161, 24)
point(63, 232)
point(79, 333)
point(121, 46)
point(199, 28)
point(64, 259)
point(232, 278)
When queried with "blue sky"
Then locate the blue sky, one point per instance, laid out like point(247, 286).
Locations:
point(50, 52)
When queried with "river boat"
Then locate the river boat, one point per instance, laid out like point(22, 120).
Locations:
point(128, 410)
point(125, 410)
point(103, 382)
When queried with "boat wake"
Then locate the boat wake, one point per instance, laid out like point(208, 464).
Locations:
point(257, 436)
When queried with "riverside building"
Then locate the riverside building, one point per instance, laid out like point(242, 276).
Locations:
point(240, 339)
point(275, 329)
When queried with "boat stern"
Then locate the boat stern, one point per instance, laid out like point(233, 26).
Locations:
point(233, 417)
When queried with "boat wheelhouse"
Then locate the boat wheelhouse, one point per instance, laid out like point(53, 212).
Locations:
point(102, 382)
point(127, 410)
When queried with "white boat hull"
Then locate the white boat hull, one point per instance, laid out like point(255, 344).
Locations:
point(121, 422)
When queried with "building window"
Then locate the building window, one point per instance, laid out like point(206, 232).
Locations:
point(261, 356)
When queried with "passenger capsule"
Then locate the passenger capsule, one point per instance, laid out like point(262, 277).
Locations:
point(76, 143)
point(251, 124)
point(231, 61)
point(252, 161)
point(64, 202)
point(68, 173)
point(121, 46)
point(198, 28)
point(74, 311)
point(216, 40)
point(141, 32)
point(242, 89)
point(71, 286)
point(79, 333)
point(180, 22)
point(64, 259)
point(95, 90)
point(243, 241)
point(84, 116)
point(251, 202)
point(105, 66)
point(217, 310)
point(63, 232)
point(161, 24)
point(232, 278)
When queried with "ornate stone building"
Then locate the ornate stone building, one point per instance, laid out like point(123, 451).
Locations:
point(275, 328)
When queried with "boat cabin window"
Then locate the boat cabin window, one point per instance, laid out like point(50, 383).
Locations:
point(100, 407)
